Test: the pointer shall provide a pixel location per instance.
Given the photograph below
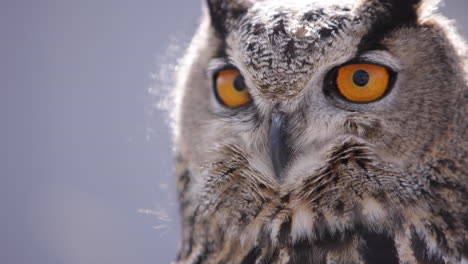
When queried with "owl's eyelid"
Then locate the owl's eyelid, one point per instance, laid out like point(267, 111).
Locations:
point(218, 64)
point(380, 57)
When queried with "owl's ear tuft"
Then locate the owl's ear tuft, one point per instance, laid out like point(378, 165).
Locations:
point(406, 12)
point(428, 7)
point(394, 14)
point(223, 13)
point(403, 11)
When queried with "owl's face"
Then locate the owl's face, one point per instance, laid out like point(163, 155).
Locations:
point(293, 59)
point(280, 96)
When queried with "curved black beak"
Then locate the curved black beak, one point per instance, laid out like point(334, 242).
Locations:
point(279, 150)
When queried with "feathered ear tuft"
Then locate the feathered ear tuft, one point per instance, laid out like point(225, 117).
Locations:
point(427, 8)
point(410, 11)
point(394, 14)
point(224, 12)
point(404, 11)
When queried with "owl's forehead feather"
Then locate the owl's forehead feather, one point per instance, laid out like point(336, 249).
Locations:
point(281, 45)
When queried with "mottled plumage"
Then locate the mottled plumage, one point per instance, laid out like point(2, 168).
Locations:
point(378, 182)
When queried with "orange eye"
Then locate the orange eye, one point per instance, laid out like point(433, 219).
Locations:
point(362, 82)
point(231, 88)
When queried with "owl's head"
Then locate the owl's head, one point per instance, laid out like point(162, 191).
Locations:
point(283, 82)
point(316, 108)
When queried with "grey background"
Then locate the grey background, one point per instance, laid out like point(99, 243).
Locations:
point(85, 156)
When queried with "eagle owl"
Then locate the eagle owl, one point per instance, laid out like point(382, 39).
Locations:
point(323, 132)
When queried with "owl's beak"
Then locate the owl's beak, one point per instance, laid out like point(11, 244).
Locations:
point(279, 150)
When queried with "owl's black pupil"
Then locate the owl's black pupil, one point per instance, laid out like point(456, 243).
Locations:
point(361, 78)
point(239, 83)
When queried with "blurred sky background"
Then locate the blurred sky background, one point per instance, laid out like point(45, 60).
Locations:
point(85, 158)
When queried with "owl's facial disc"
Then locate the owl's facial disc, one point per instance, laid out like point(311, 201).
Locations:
point(285, 135)
point(345, 77)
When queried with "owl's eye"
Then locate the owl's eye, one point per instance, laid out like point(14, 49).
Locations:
point(231, 89)
point(362, 82)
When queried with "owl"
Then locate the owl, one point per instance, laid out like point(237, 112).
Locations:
point(312, 131)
